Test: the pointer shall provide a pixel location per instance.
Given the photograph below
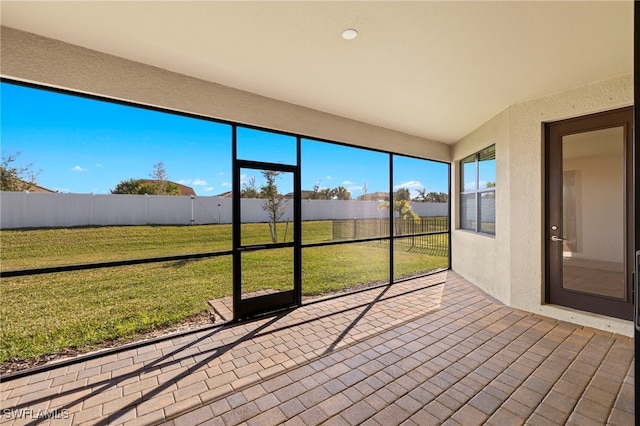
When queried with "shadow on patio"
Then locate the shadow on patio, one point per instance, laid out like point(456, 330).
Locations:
point(426, 351)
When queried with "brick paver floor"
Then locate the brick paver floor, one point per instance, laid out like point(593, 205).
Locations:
point(433, 350)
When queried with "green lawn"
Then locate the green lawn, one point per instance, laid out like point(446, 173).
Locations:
point(35, 248)
point(44, 314)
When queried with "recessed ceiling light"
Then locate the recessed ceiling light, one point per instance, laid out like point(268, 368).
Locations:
point(349, 34)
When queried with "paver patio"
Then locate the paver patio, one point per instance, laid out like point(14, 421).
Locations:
point(432, 350)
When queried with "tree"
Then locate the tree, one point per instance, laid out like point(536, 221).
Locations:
point(441, 197)
point(431, 197)
point(422, 195)
point(341, 193)
point(315, 194)
point(403, 210)
point(142, 187)
point(326, 194)
point(402, 194)
point(321, 194)
point(250, 189)
point(15, 178)
point(274, 204)
point(159, 175)
point(158, 185)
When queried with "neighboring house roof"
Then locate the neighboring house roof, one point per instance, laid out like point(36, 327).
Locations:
point(184, 190)
point(38, 188)
point(304, 194)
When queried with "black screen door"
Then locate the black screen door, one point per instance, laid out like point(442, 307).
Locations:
point(266, 246)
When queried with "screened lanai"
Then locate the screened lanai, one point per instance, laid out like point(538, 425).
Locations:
point(503, 107)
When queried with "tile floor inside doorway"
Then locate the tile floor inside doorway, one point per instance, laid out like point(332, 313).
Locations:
point(433, 350)
point(589, 276)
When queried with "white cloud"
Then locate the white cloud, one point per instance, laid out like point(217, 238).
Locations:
point(194, 182)
point(208, 189)
point(78, 169)
point(354, 188)
point(225, 184)
point(412, 184)
point(221, 174)
point(347, 182)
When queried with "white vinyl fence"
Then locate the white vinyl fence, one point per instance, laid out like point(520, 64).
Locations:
point(43, 210)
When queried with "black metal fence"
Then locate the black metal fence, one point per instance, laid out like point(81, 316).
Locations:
point(409, 233)
point(432, 244)
point(354, 229)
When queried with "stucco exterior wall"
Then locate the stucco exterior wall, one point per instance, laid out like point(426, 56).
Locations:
point(517, 251)
point(481, 258)
point(32, 58)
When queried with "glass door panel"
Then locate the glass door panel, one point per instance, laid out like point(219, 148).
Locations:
point(266, 272)
point(593, 190)
point(266, 206)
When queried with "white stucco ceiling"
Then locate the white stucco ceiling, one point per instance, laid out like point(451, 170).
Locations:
point(431, 69)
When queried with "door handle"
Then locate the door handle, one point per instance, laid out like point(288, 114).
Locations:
point(556, 239)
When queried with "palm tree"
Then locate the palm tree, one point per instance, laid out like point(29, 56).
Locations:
point(403, 210)
point(341, 193)
point(431, 197)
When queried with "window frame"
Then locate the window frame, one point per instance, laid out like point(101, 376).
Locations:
point(476, 192)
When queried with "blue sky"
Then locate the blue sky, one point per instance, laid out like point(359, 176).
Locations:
point(88, 146)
